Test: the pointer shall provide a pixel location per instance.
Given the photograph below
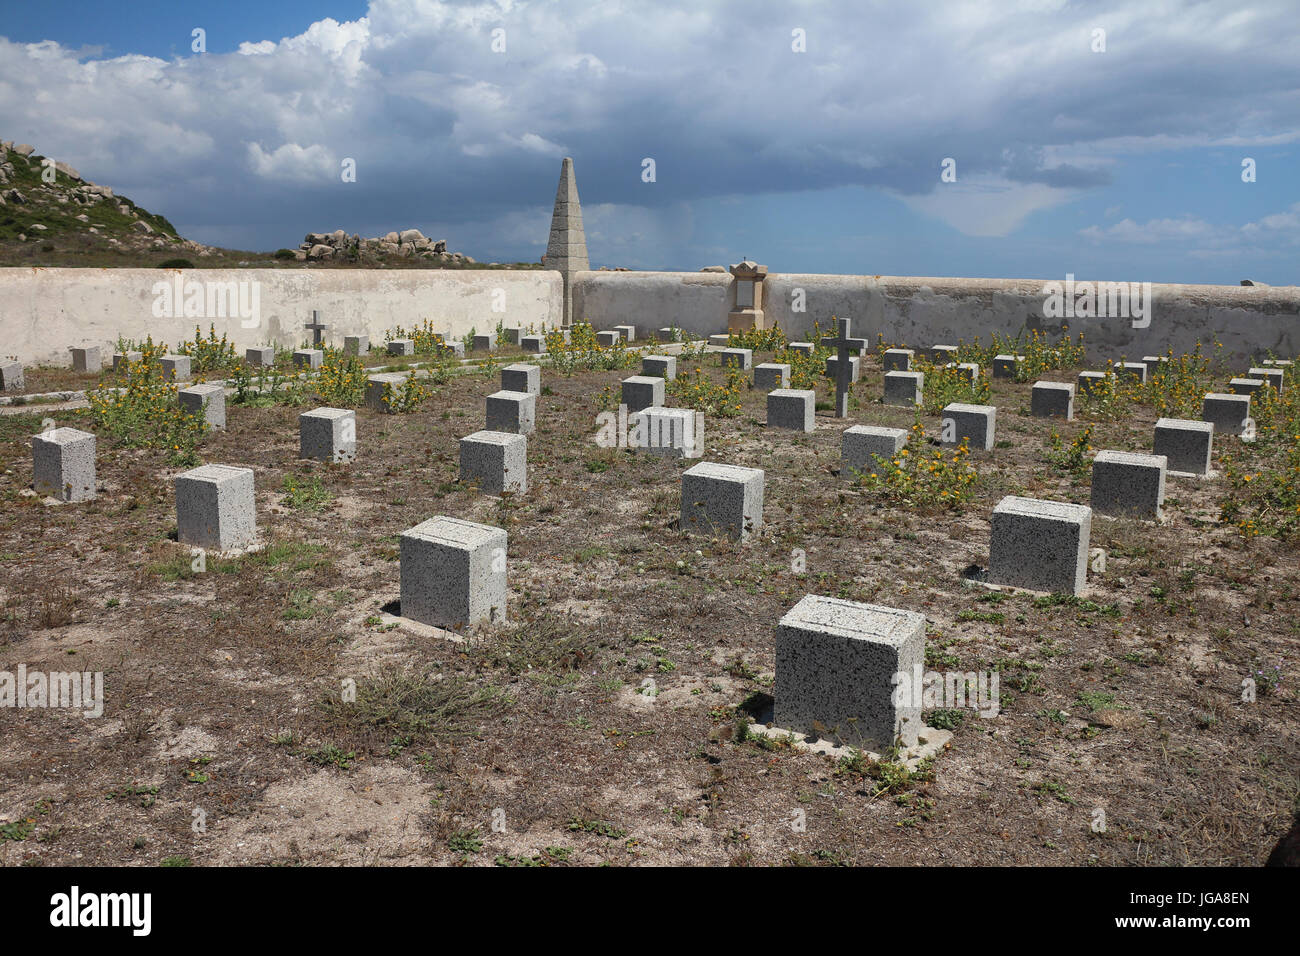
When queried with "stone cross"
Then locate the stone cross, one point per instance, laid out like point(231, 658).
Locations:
point(843, 368)
point(317, 327)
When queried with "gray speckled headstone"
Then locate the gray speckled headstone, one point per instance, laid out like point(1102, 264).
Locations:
point(175, 368)
point(1227, 412)
point(737, 358)
point(376, 385)
point(206, 400)
point(401, 347)
point(942, 354)
point(664, 366)
point(215, 507)
point(328, 434)
point(1185, 444)
point(642, 391)
point(1005, 366)
point(1052, 400)
point(87, 359)
point(1041, 545)
point(1273, 376)
point(453, 573)
point(308, 358)
point(833, 368)
point(671, 432)
point(726, 499)
point(897, 360)
point(793, 408)
point(485, 343)
point(522, 378)
point(259, 356)
point(356, 344)
point(11, 376)
point(771, 375)
point(63, 464)
point(608, 338)
point(513, 412)
point(976, 423)
point(1091, 383)
point(498, 461)
point(837, 665)
point(1128, 485)
point(904, 388)
point(861, 443)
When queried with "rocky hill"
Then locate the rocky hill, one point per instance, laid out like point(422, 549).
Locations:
point(46, 206)
point(51, 216)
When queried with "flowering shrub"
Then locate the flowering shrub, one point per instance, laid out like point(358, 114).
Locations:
point(144, 412)
point(583, 351)
point(209, 354)
point(696, 389)
point(921, 477)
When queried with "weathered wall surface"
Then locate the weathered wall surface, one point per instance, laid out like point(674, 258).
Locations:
point(1248, 320)
point(44, 312)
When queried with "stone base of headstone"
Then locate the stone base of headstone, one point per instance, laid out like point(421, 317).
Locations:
point(175, 368)
point(377, 385)
point(533, 343)
point(1052, 400)
point(976, 424)
point(1039, 545)
point(1186, 445)
point(63, 464)
point(399, 347)
point(860, 445)
point(668, 432)
point(496, 461)
point(453, 573)
point(215, 508)
point(259, 357)
point(206, 400)
point(356, 344)
point(663, 366)
point(87, 359)
point(833, 365)
point(771, 375)
point(513, 412)
point(328, 434)
point(738, 358)
point(897, 360)
point(792, 408)
point(485, 343)
point(522, 378)
point(1005, 366)
point(308, 358)
point(1126, 485)
point(837, 663)
point(11, 377)
point(642, 391)
point(904, 388)
point(722, 499)
point(1228, 413)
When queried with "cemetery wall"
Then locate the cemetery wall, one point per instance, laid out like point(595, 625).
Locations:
point(43, 312)
point(926, 311)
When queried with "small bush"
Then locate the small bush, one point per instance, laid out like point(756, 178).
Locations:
point(176, 264)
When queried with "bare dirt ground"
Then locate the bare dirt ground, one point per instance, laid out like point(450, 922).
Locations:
point(223, 740)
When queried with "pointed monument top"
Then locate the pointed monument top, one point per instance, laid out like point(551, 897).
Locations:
point(566, 250)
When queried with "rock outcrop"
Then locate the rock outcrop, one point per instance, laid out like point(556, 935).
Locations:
point(409, 243)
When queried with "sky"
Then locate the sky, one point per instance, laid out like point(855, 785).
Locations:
point(990, 138)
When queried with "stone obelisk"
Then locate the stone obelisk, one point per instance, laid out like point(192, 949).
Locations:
point(566, 250)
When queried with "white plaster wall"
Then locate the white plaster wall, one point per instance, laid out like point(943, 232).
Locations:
point(44, 312)
point(1248, 320)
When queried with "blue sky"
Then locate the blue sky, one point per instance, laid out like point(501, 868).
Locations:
point(1120, 164)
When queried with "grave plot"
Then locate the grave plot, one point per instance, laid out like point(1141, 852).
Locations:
point(608, 714)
